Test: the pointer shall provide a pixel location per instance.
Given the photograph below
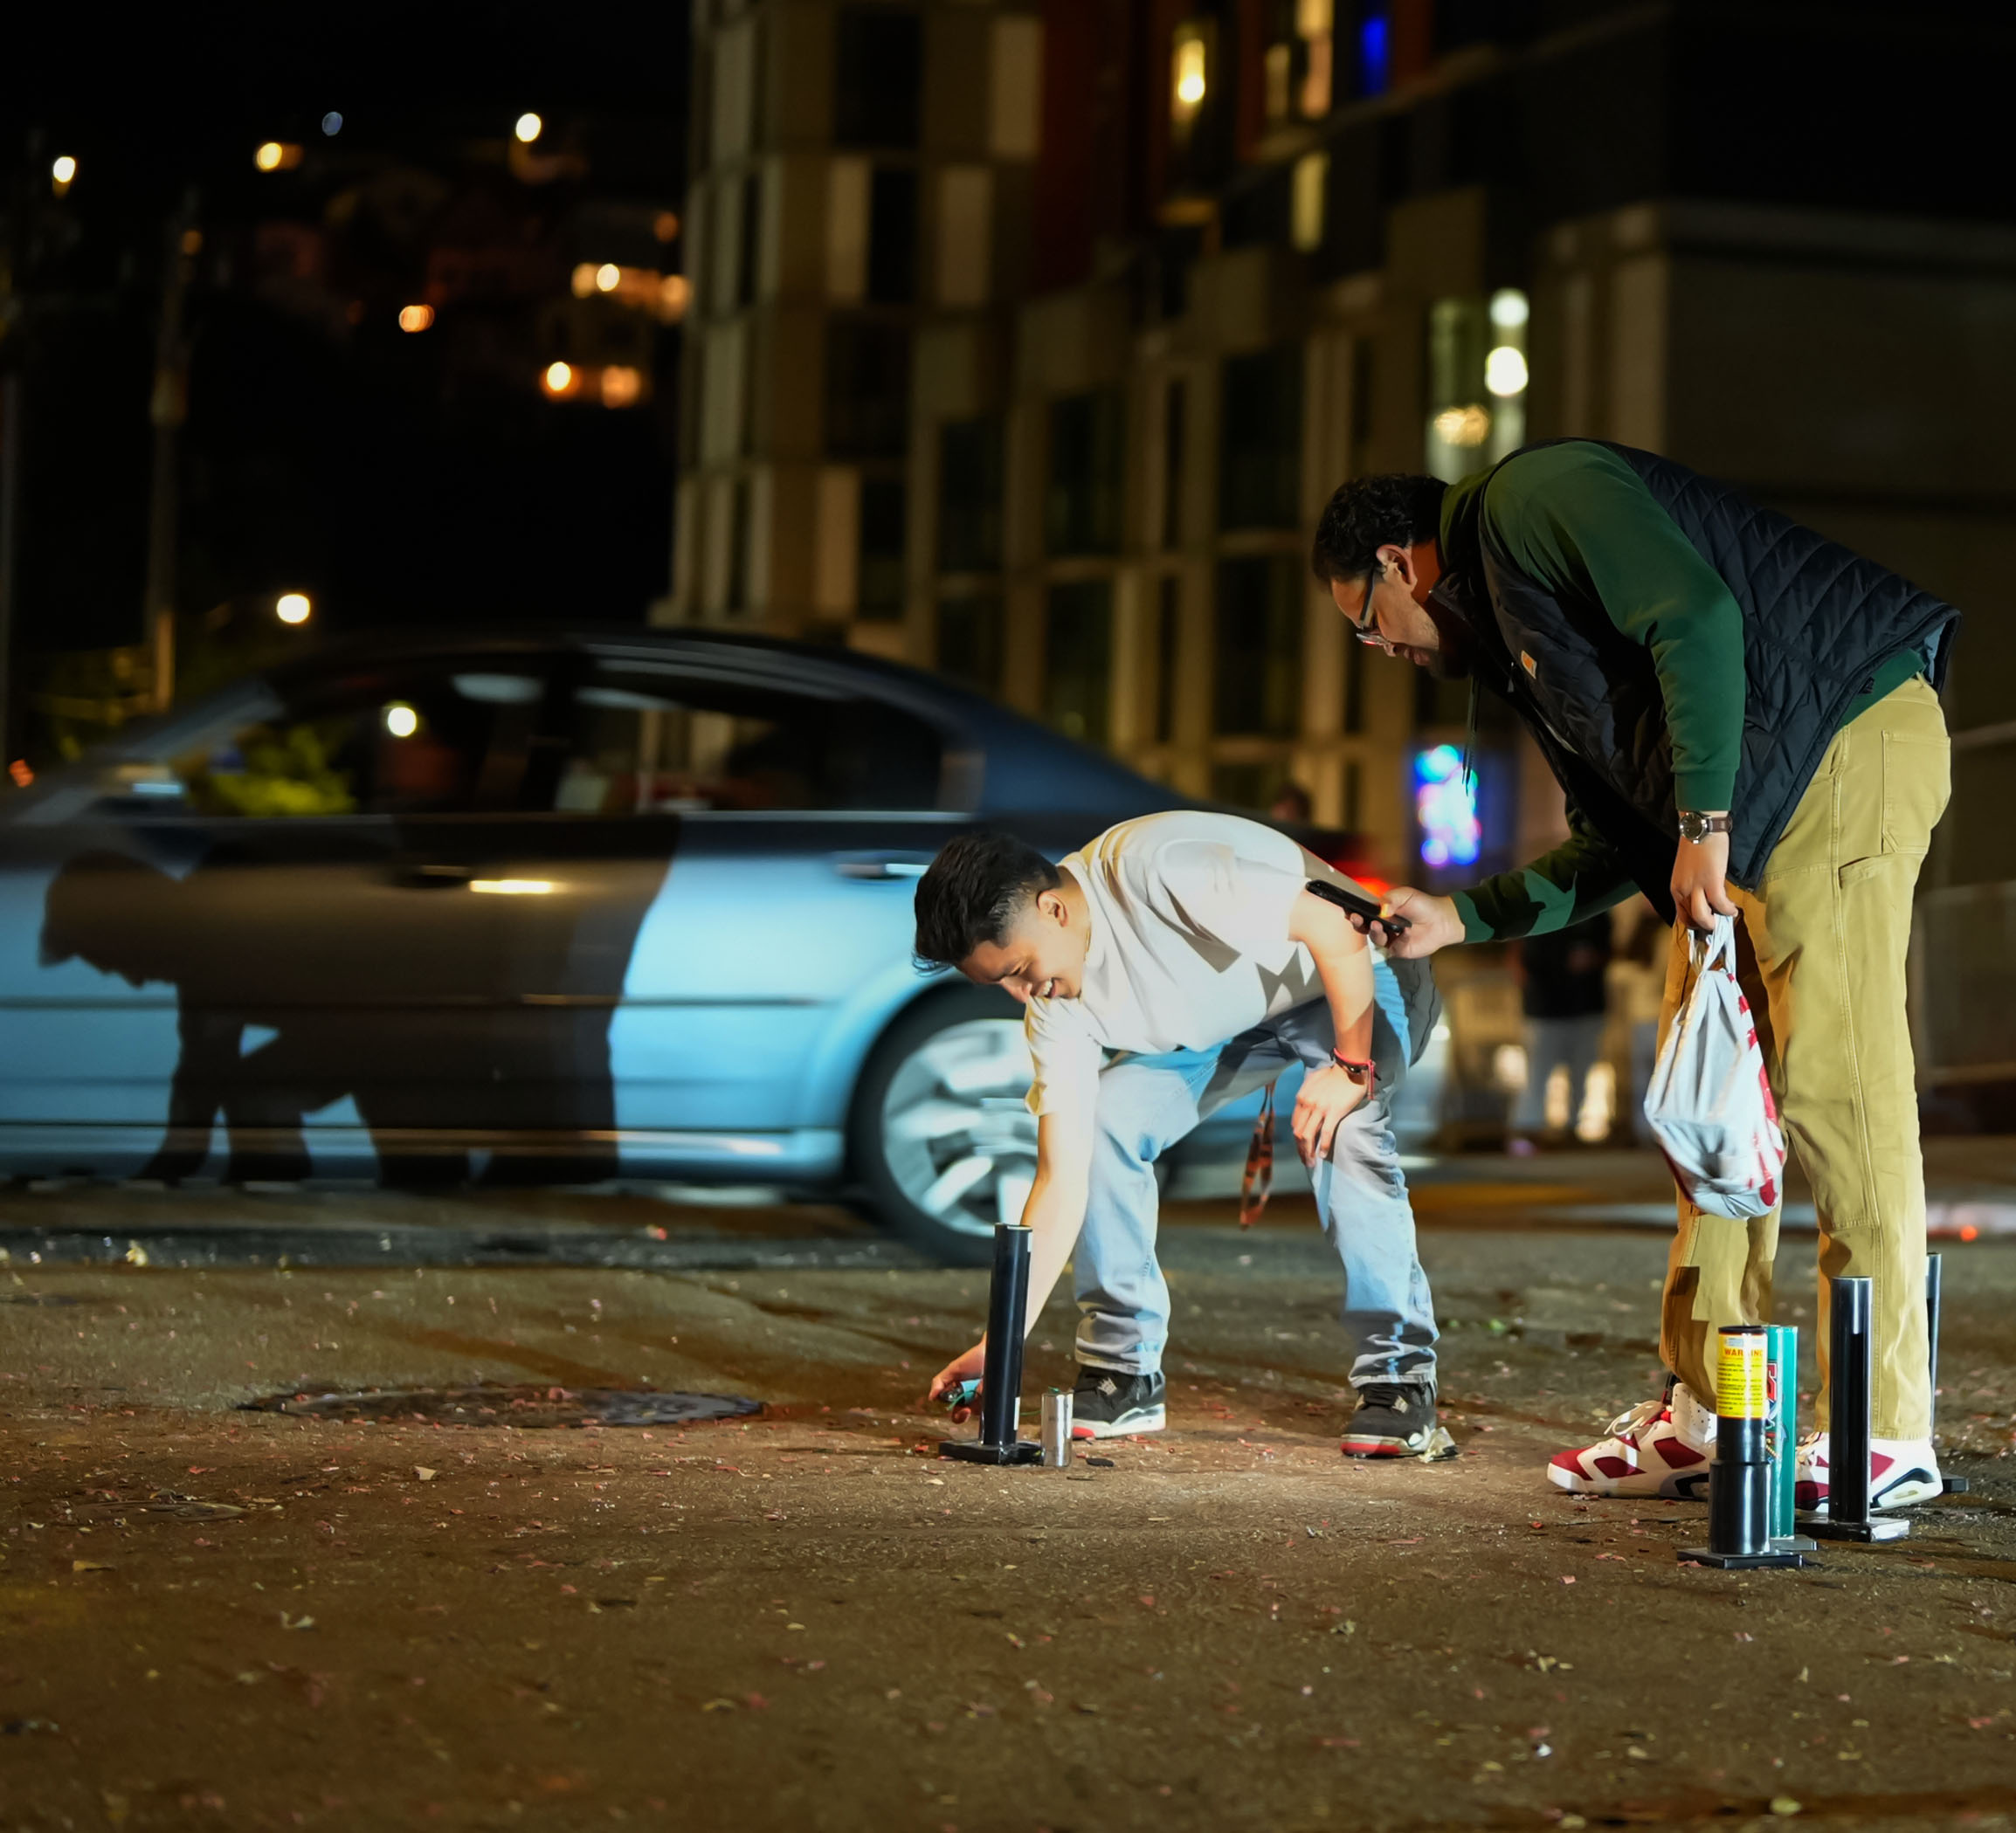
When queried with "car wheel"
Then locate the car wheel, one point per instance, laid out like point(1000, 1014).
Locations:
point(942, 1140)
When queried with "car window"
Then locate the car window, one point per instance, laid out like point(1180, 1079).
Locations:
point(426, 742)
point(645, 742)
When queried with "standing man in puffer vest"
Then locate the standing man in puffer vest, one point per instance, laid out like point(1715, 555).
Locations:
point(1745, 720)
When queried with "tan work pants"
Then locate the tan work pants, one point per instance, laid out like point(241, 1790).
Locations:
point(1820, 950)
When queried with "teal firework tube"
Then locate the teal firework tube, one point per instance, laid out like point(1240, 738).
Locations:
point(1782, 1422)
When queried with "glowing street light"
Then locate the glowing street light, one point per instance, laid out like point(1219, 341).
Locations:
point(62, 174)
point(621, 385)
point(292, 608)
point(277, 156)
point(332, 124)
point(558, 378)
point(1505, 371)
point(401, 720)
point(1191, 57)
point(415, 318)
point(608, 276)
point(530, 127)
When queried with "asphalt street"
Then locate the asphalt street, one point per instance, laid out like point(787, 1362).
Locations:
point(399, 1614)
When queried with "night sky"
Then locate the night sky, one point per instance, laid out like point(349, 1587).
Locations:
point(397, 477)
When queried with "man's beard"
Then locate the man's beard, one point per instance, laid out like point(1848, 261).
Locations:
point(1451, 661)
point(1448, 664)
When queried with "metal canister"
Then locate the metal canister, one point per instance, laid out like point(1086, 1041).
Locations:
point(1057, 1428)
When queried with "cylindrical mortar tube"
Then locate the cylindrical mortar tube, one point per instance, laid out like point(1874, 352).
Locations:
point(1782, 1423)
point(1932, 1285)
point(1007, 1299)
point(1953, 1485)
point(1850, 1373)
point(1057, 1428)
point(1739, 1487)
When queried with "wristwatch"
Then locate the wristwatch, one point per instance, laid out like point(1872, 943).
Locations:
point(1357, 1072)
point(1697, 828)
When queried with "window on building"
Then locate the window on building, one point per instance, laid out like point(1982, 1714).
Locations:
point(893, 236)
point(1280, 81)
point(1081, 507)
point(969, 484)
point(1191, 75)
point(1168, 656)
point(1260, 458)
point(1257, 679)
point(1375, 48)
point(1364, 381)
point(879, 590)
point(1249, 785)
point(867, 388)
point(738, 547)
point(1354, 688)
point(1015, 87)
point(1312, 173)
point(1477, 383)
point(1297, 67)
point(972, 640)
point(1505, 371)
point(1077, 649)
point(965, 235)
point(1175, 455)
point(878, 70)
point(749, 253)
point(846, 230)
point(1316, 25)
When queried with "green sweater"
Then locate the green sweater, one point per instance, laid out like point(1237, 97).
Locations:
point(1576, 518)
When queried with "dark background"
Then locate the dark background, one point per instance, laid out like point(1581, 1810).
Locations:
point(394, 477)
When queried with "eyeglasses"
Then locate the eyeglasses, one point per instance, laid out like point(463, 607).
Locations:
point(1365, 627)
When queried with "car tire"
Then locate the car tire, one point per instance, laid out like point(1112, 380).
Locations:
point(940, 1142)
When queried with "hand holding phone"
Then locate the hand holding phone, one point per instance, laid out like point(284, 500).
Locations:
point(1356, 903)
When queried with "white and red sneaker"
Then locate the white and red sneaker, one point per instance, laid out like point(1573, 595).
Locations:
point(1903, 1472)
point(1660, 1448)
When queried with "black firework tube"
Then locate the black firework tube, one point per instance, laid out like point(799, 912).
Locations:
point(1007, 1299)
point(1850, 1371)
point(1739, 1487)
point(1932, 1329)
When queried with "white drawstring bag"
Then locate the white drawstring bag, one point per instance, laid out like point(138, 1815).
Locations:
point(1710, 1105)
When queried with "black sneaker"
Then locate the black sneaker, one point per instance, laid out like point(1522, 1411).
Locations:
point(1108, 1404)
point(1397, 1419)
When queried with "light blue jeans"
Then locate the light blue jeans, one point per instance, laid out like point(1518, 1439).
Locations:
point(1147, 1104)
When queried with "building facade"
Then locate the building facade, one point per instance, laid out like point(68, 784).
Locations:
point(1029, 339)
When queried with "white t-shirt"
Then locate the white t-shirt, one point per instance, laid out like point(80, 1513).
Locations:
point(1190, 946)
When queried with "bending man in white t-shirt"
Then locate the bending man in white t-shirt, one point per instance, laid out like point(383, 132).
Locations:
point(1188, 943)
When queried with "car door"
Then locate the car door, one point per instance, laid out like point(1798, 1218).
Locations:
point(285, 927)
point(796, 815)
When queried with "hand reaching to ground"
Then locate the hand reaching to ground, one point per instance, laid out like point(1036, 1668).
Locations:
point(964, 1368)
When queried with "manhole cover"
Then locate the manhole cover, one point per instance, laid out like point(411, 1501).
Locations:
point(501, 1406)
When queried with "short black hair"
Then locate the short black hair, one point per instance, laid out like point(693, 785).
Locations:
point(972, 892)
point(1367, 513)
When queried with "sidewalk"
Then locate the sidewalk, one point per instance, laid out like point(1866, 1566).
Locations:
point(808, 1619)
point(1970, 1189)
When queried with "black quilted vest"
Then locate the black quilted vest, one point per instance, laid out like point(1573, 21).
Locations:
point(1818, 622)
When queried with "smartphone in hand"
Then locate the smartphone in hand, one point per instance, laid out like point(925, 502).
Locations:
point(1356, 903)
